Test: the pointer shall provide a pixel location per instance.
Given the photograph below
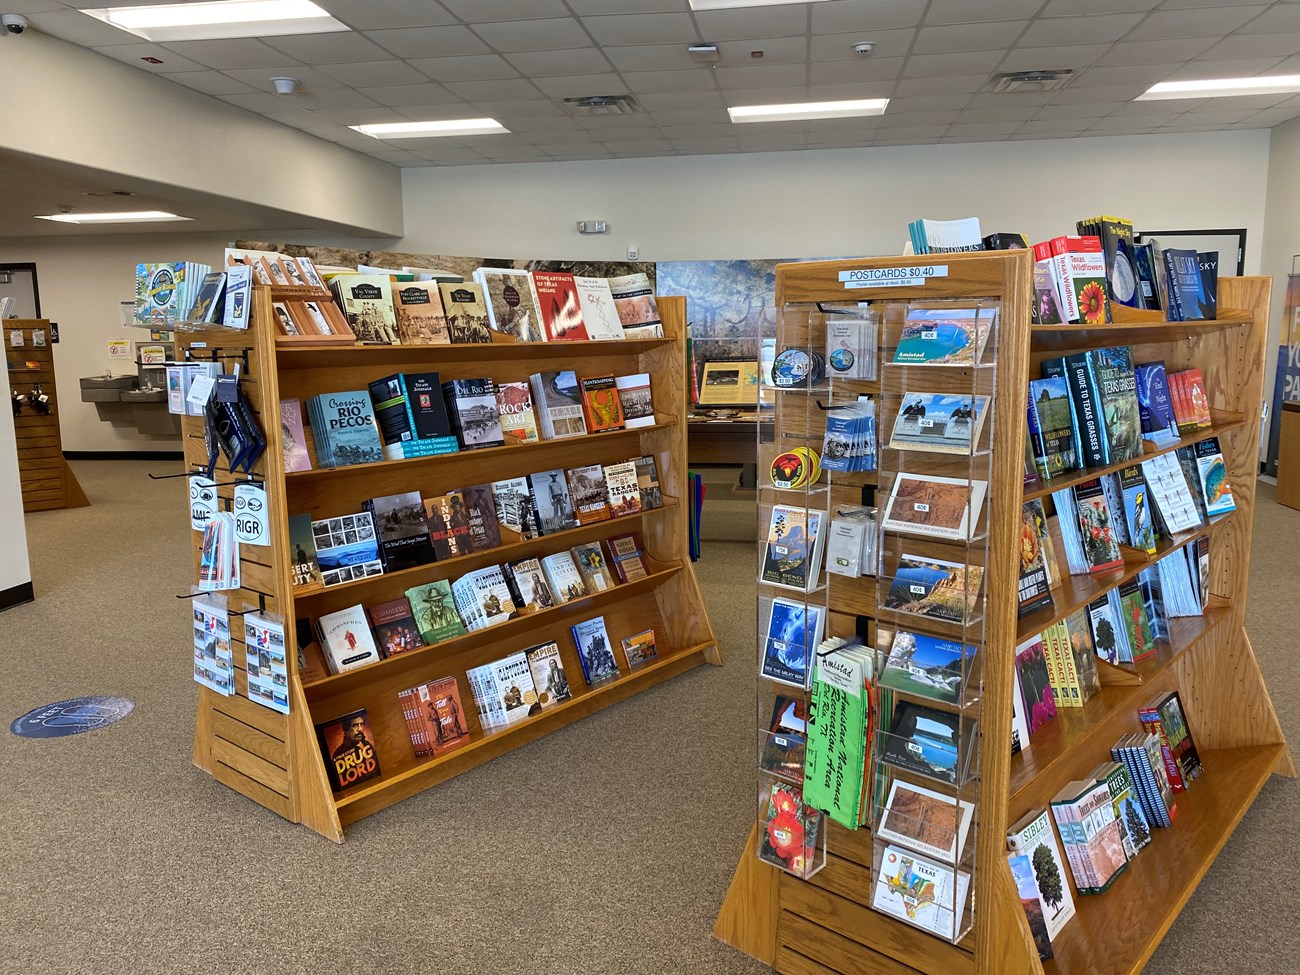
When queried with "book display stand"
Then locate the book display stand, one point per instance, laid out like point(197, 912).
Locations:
point(275, 758)
point(826, 915)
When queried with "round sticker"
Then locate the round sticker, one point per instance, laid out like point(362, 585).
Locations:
point(842, 360)
point(72, 717)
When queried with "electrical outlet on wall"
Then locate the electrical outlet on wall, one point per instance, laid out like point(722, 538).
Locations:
point(633, 252)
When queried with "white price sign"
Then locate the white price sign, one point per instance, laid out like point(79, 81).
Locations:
point(892, 277)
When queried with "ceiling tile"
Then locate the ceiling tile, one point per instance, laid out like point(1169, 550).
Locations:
point(551, 137)
point(921, 87)
point(845, 72)
point(680, 101)
point(596, 124)
point(1255, 46)
point(584, 7)
point(448, 152)
point(634, 134)
point(328, 48)
point(238, 53)
point(864, 89)
point(1131, 123)
point(483, 11)
point(1239, 103)
point(211, 83)
point(507, 113)
point(543, 123)
point(860, 15)
point(1222, 116)
point(373, 73)
point(1158, 107)
point(1275, 116)
point(709, 116)
point(39, 6)
point(766, 76)
point(1143, 75)
point(1017, 113)
point(1203, 22)
point(1188, 4)
point(771, 96)
point(540, 64)
point(911, 119)
point(724, 130)
point(132, 53)
point(78, 28)
point(1279, 18)
point(1290, 65)
point(475, 67)
point(726, 25)
point(1066, 56)
point(690, 79)
point(1099, 29)
point(774, 50)
point(402, 96)
point(1102, 93)
point(650, 57)
point(642, 29)
point(425, 111)
point(309, 79)
point(839, 47)
point(948, 65)
point(1240, 68)
point(1143, 52)
point(995, 36)
point(1070, 8)
point(977, 11)
point(931, 103)
point(494, 91)
point(985, 128)
point(368, 14)
point(998, 99)
point(1062, 125)
point(576, 86)
point(776, 137)
point(1079, 111)
point(534, 35)
point(428, 42)
point(298, 118)
point(362, 116)
point(315, 102)
point(706, 145)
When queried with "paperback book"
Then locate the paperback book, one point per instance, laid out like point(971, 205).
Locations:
point(587, 489)
point(343, 425)
point(346, 640)
point(1035, 684)
point(448, 526)
point(557, 401)
point(557, 296)
point(467, 318)
point(601, 408)
point(302, 552)
point(515, 408)
point(635, 399)
point(395, 628)
point(552, 502)
point(595, 652)
point(484, 531)
point(292, 438)
point(367, 303)
point(511, 302)
point(346, 548)
point(599, 314)
point(647, 480)
point(622, 488)
point(420, 318)
point(403, 532)
point(634, 300)
point(1032, 836)
point(549, 680)
point(1213, 477)
point(434, 611)
point(639, 648)
point(347, 745)
point(472, 404)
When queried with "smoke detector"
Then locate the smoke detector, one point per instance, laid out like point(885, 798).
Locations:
point(285, 86)
point(601, 105)
point(1047, 79)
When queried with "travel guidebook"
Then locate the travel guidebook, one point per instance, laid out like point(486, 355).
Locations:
point(938, 422)
point(944, 336)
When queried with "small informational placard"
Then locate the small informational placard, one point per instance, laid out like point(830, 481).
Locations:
point(153, 355)
point(892, 277)
point(200, 392)
point(203, 501)
point(213, 660)
point(251, 525)
point(268, 676)
point(119, 348)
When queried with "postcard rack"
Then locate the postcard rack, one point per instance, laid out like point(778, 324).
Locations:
point(274, 759)
point(818, 918)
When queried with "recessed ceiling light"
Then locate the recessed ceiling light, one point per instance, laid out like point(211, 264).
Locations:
point(124, 216)
point(808, 110)
point(1221, 87)
point(220, 19)
point(730, 4)
point(421, 130)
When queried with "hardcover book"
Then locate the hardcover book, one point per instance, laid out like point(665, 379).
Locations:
point(1051, 427)
point(558, 403)
point(928, 666)
point(1032, 836)
point(601, 407)
point(1035, 684)
point(595, 652)
point(635, 399)
point(792, 557)
point(346, 640)
point(348, 746)
point(515, 407)
point(302, 552)
point(1121, 416)
point(511, 302)
point(346, 548)
point(557, 295)
point(472, 404)
point(929, 742)
point(435, 613)
point(783, 752)
point(484, 532)
point(549, 680)
point(599, 314)
point(639, 648)
point(587, 488)
point(623, 488)
point(1155, 405)
point(343, 425)
point(938, 422)
point(448, 531)
point(634, 300)
point(625, 556)
point(593, 566)
point(552, 502)
point(944, 507)
point(512, 503)
point(292, 438)
point(394, 625)
point(367, 303)
point(647, 479)
point(926, 821)
point(563, 577)
point(941, 590)
point(944, 336)
point(467, 318)
point(794, 631)
point(420, 318)
point(403, 533)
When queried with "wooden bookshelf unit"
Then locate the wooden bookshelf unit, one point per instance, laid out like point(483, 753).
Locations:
point(274, 759)
point(824, 925)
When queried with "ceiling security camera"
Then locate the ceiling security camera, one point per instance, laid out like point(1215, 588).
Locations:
point(862, 50)
point(14, 23)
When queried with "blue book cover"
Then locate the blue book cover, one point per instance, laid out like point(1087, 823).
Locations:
point(927, 666)
point(594, 651)
point(1086, 396)
point(794, 631)
point(1155, 404)
point(343, 425)
point(1209, 264)
point(1185, 280)
point(1214, 478)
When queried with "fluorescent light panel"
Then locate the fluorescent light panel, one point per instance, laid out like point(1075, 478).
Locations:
point(125, 216)
point(731, 4)
point(1221, 87)
point(220, 19)
point(424, 130)
point(794, 111)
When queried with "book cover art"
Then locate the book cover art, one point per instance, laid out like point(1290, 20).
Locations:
point(346, 640)
point(512, 503)
point(420, 318)
point(1032, 836)
point(531, 589)
point(794, 630)
point(1051, 427)
point(467, 318)
point(1047, 306)
point(647, 479)
point(403, 532)
point(1106, 630)
point(1099, 545)
point(1035, 684)
point(1031, 901)
point(511, 303)
point(634, 300)
point(1085, 272)
point(484, 531)
point(448, 521)
point(594, 567)
point(1121, 415)
point(938, 422)
point(927, 666)
point(510, 684)
point(639, 648)
point(594, 651)
point(1184, 269)
point(1137, 510)
point(1137, 625)
point(622, 488)
point(587, 488)
point(558, 394)
point(557, 296)
point(428, 409)
point(635, 399)
point(926, 821)
point(515, 408)
point(367, 303)
point(1034, 586)
point(1213, 477)
point(435, 613)
point(552, 502)
point(599, 314)
point(1209, 296)
point(208, 306)
point(787, 741)
point(945, 507)
point(943, 337)
point(549, 680)
point(311, 659)
point(563, 576)
point(625, 556)
point(347, 548)
point(601, 408)
point(942, 590)
point(302, 552)
point(1175, 730)
point(444, 712)
point(1076, 637)
point(347, 744)
point(1135, 831)
point(239, 294)
point(343, 425)
point(483, 598)
point(395, 628)
point(473, 407)
point(1155, 404)
point(791, 538)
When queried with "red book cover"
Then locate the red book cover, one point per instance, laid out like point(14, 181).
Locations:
point(1184, 405)
point(601, 407)
point(439, 715)
point(1199, 400)
point(1152, 723)
point(557, 294)
point(394, 626)
point(348, 747)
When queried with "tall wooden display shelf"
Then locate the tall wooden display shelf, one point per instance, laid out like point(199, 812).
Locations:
point(824, 925)
point(274, 759)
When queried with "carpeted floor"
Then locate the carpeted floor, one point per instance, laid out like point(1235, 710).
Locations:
point(603, 848)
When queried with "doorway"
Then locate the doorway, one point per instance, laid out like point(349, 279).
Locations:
point(18, 281)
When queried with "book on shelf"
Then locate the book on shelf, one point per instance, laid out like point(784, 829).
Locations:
point(794, 631)
point(411, 416)
point(417, 306)
point(622, 488)
point(647, 480)
point(596, 303)
point(946, 236)
point(1094, 847)
point(1163, 717)
point(944, 336)
point(1135, 832)
point(1022, 872)
point(466, 310)
point(587, 490)
point(347, 548)
point(208, 307)
point(164, 293)
point(1155, 403)
point(562, 575)
point(634, 300)
point(1187, 299)
point(394, 627)
point(1117, 394)
point(1034, 589)
point(1213, 477)
point(302, 552)
point(1208, 261)
point(367, 303)
point(942, 507)
point(635, 399)
point(1032, 836)
point(929, 742)
point(1085, 398)
point(512, 503)
point(344, 429)
point(1139, 523)
point(1035, 683)
point(503, 690)
point(1059, 669)
point(547, 669)
point(1047, 297)
point(312, 666)
point(1170, 494)
point(1038, 518)
point(511, 302)
point(557, 402)
point(920, 892)
point(483, 598)
point(594, 567)
point(625, 557)
point(1077, 643)
point(1019, 719)
point(1142, 758)
point(484, 531)
point(639, 648)
point(346, 639)
point(403, 532)
point(926, 821)
point(793, 550)
point(1081, 267)
point(552, 502)
point(239, 296)
point(785, 746)
point(557, 296)
point(1138, 635)
point(348, 747)
point(1096, 527)
point(1107, 627)
point(472, 406)
point(434, 610)
point(928, 666)
point(938, 422)
point(448, 526)
point(528, 585)
point(1186, 457)
point(601, 408)
point(948, 591)
point(594, 651)
point(439, 714)
point(515, 408)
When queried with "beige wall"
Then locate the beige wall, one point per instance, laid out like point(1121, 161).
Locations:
point(14, 567)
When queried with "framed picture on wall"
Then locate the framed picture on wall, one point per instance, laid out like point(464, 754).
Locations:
point(729, 382)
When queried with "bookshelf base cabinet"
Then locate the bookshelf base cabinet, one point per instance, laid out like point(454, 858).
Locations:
point(274, 759)
point(824, 925)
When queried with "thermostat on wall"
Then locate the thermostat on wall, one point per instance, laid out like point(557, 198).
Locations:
point(591, 226)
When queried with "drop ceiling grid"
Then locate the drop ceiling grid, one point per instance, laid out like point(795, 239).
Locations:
point(516, 60)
